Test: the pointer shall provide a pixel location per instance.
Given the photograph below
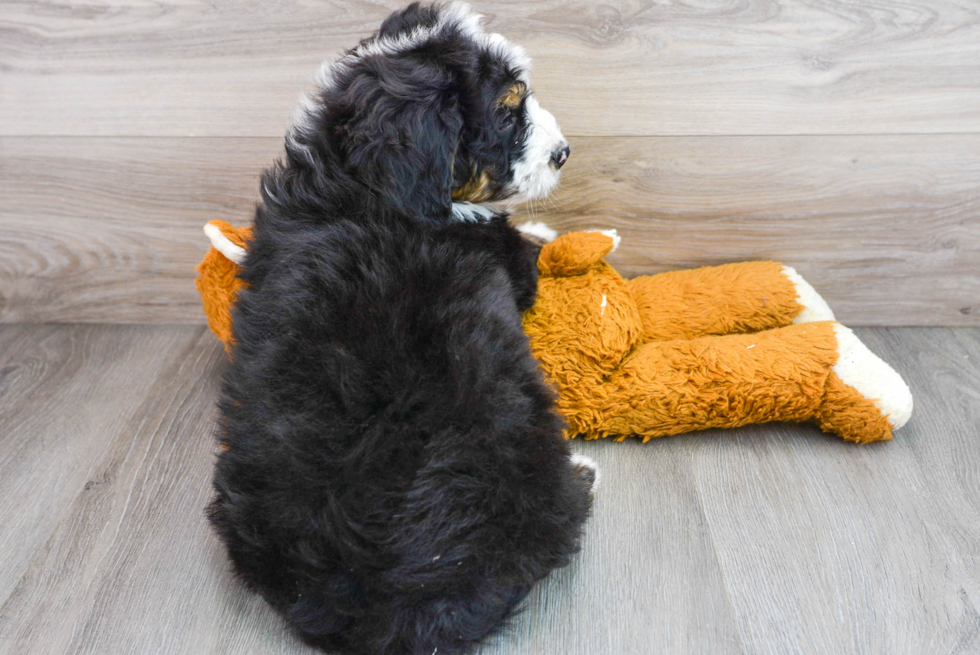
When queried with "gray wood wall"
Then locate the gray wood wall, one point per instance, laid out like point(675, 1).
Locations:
point(842, 138)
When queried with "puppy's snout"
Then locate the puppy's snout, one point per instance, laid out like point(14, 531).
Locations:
point(560, 155)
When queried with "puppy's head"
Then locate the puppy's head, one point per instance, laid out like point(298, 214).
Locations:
point(430, 111)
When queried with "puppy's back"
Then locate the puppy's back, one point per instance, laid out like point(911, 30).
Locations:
point(394, 479)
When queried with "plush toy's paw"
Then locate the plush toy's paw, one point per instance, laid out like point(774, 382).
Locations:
point(815, 308)
point(537, 232)
point(860, 368)
point(866, 398)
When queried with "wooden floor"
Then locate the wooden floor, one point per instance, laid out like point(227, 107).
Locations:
point(838, 137)
point(770, 539)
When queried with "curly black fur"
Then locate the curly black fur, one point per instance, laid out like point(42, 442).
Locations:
point(393, 478)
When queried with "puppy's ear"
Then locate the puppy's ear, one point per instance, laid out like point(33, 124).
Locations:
point(575, 252)
point(401, 138)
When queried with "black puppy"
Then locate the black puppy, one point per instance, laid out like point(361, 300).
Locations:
point(393, 477)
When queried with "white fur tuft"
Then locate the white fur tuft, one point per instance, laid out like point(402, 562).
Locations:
point(513, 54)
point(224, 245)
point(861, 369)
point(474, 213)
point(578, 459)
point(815, 308)
point(538, 229)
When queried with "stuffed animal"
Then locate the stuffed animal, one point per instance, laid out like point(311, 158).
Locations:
point(217, 280)
point(713, 347)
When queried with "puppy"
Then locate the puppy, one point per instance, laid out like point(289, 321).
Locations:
point(392, 477)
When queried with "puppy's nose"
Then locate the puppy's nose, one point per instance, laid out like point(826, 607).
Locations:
point(560, 155)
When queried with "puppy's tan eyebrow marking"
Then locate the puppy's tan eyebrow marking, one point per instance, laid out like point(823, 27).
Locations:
point(513, 96)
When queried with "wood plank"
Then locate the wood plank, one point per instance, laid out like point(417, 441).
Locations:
point(62, 389)
point(109, 231)
point(827, 547)
point(647, 579)
point(196, 68)
point(886, 227)
point(132, 566)
point(135, 541)
point(766, 539)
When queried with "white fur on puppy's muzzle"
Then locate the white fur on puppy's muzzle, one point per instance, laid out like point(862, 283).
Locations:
point(535, 175)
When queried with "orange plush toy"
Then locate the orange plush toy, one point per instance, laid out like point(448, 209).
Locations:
point(665, 354)
point(216, 276)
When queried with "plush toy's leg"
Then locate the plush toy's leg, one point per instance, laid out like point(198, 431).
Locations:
point(814, 371)
point(729, 299)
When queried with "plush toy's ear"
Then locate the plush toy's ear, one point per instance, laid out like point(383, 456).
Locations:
point(576, 252)
point(229, 241)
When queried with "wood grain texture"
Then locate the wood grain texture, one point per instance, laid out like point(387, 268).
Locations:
point(110, 230)
point(131, 566)
point(868, 550)
point(196, 68)
point(766, 539)
point(647, 580)
point(62, 391)
point(886, 227)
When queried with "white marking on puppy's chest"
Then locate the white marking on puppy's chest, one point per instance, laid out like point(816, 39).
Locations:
point(472, 212)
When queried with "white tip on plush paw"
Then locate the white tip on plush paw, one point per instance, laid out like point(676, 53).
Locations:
point(539, 230)
point(584, 461)
point(224, 245)
point(815, 308)
point(861, 369)
point(612, 234)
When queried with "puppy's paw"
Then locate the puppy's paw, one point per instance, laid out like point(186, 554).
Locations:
point(537, 232)
point(587, 469)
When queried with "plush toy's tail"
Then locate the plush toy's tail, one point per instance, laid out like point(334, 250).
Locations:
point(217, 280)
